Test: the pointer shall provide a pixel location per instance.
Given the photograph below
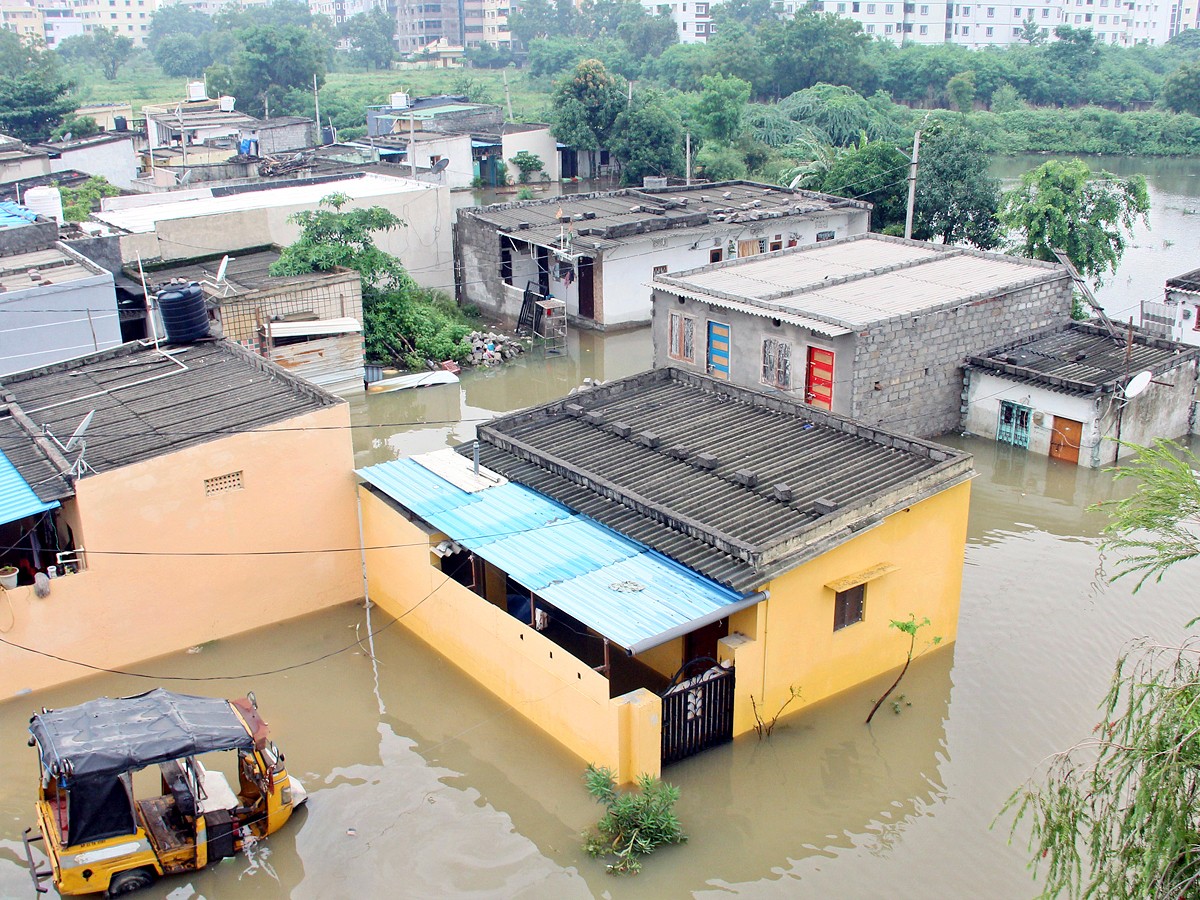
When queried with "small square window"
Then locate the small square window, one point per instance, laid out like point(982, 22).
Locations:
point(714, 255)
point(848, 606)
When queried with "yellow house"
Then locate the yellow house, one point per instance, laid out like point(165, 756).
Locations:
point(638, 567)
point(210, 492)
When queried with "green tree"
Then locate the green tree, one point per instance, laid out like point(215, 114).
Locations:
point(720, 107)
point(372, 34)
point(1118, 815)
point(401, 322)
point(586, 105)
point(535, 19)
point(815, 47)
point(81, 201)
point(1031, 34)
point(271, 60)
point(874, 171)
point(957, 200)
point(176, 19)
point(112, 51)
point(76, 127)
point(647, 139)
point(1089, 215)
point(33, 91)
point(1181, 89)
point(183, 55)
point(717, 163)
point(961, 89)
point(839, 112)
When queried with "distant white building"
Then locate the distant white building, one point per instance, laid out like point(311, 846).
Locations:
point(992, 23)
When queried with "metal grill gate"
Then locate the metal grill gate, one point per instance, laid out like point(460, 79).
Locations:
point(697, 714)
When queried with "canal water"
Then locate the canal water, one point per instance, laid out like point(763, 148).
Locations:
point(423, 785)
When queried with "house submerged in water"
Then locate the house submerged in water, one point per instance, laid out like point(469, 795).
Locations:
point(663, 543)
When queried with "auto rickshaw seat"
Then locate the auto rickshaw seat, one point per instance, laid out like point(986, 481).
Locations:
point(177, 783)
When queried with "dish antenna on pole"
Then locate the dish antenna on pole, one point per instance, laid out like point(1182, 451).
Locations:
point(79, 467)
point(76, 439)
point(1137, 384)
point(222, 268)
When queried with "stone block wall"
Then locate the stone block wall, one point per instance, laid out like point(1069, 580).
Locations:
point(908, 370)
point(477, 263)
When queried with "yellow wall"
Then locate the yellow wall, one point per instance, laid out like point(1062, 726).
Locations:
point(298, 494)
point(539, 679)
point(789, 639)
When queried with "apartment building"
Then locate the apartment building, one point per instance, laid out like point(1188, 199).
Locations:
point(485, 22)
point(992, 23)
point(128, 18)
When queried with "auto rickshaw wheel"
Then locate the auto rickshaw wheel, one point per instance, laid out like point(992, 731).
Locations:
point(130, 881)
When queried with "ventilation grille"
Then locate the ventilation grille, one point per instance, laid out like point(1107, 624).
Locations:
point(223, 484)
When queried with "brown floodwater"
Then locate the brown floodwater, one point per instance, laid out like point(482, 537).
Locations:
point(423, 785)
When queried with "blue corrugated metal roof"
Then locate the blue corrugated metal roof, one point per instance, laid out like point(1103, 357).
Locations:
point(17, 499)
point(573, 562)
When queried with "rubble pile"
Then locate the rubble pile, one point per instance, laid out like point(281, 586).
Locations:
point(490, 348)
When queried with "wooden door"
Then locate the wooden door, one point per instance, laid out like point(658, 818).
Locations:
point(1064, 441)
point(543, 264)
point(702, 643)
point(587, 288)
point(818, 389)
point(718, 350)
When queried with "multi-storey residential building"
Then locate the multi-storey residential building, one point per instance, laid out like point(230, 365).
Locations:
point(59, 21)
point(23, 18)
point(419, 24)
point(991, 23)
point(128, 18)
point(485, 22)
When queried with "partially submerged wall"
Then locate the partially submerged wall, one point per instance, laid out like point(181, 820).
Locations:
point(539, 679)
point(171, 566)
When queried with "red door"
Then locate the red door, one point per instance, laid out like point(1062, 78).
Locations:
point(818, 389)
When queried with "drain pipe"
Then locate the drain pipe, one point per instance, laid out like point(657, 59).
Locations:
point(475, 453)
point(362, 550)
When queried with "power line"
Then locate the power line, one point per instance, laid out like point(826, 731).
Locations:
point(237, 677)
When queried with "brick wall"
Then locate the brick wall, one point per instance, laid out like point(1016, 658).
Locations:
point(908, 370)
point(477, 257)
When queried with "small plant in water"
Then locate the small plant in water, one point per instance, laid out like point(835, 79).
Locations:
point(764, 727)
point(909, 626)
point(635, 822)
point(899, 703)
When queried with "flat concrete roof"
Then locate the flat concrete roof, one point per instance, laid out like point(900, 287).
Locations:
point(144, 219)
point(858, 280)
point(24, 271)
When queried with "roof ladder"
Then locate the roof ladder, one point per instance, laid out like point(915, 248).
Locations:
point(1086, 290)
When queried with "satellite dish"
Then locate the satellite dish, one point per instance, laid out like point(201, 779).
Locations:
point(77, 437)
point(442, 164)
point(1137, 384)
point(221, 270)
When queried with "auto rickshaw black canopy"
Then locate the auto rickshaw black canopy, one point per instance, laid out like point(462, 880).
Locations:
point(106, 737)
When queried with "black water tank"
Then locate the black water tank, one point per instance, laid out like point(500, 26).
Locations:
point(184, 313)
point(120, 123)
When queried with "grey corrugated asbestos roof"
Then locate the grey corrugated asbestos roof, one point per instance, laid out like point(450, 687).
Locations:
point(1084, 359)
point(147, 406)
point(652, 484)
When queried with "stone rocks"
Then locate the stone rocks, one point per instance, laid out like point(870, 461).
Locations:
point(490, 348)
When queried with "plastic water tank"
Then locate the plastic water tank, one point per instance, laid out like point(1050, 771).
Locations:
point(184, 313)
point(399, 100)
point(45, 201)
point(226, 103)
point(196, 91)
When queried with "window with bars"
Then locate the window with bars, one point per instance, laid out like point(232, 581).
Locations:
point(681, 340)
point(777, 364)
point(848, 606)
point(223, 484)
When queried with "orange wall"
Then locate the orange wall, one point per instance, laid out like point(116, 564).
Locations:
point(124, 609)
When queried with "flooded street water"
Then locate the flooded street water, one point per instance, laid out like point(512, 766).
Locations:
point(423, 785)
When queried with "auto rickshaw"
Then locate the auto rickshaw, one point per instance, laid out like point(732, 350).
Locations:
point(99, 831)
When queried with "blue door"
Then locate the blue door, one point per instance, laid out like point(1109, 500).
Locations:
point(718, 350)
